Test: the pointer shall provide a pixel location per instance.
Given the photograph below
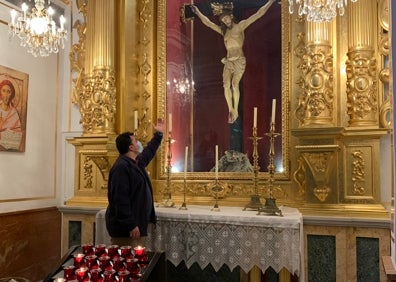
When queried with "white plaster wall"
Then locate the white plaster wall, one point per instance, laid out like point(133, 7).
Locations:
point(36, 178)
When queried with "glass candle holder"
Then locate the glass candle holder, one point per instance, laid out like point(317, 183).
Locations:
point(118, 263)
point(123, 276)
point(82, 274)
point(140, 254)
point(91, 261)
point(69, 272)
point(133, 267)
point(112, 251)
point(104, 262)
point(139, 251)
point(78, 260)
point(100, 249)
point(96, 274)
point(88, 249)
point(109, 275)
point(125, 251)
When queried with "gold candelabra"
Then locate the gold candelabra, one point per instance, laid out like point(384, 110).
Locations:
point(270, 206)
point(167, 194)
point(255, 203)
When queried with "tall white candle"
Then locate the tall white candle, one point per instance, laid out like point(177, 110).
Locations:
point(217, 161)
point(273, 110)
point(255, 117)
point(136, 120)
point(185, 162)
point(170, 122)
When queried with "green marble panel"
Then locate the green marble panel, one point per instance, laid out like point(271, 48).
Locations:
point(74, 233)
point(367, 259)
point(321, 258)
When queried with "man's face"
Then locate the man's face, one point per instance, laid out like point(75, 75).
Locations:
point(134, 147)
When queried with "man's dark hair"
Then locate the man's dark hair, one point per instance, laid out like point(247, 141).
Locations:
point(123, 141)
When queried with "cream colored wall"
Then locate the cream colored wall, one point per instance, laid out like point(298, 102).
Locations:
point(36, 177)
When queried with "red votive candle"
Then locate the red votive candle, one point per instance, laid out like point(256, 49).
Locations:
point(78, 260)
point(123, 276)
point(112, 251)
point(100, 249)
point(82, 274)
point(87, 249)
point(126, 251)
point(69, 272)
point(139, 251)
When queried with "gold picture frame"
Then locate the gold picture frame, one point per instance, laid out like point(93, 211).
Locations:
point(283, 114)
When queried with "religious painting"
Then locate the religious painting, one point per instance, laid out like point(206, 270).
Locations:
point(13, 109)
point(217, 81)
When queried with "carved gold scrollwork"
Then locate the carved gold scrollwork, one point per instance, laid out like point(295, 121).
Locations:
point(87, 173)
point(299, 176)
point(362, 101)
point(77, 53)
point(321, 162)
point(103, 164)
point(315, 103)
point(358, 174)
point(97, 101)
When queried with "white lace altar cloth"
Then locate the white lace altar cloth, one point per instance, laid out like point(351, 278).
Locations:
point(230, 236)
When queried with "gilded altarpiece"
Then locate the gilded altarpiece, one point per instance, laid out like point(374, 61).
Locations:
point(334, 109)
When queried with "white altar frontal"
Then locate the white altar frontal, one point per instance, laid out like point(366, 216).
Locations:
point(230, 236)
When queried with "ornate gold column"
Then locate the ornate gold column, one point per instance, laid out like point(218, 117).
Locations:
point(361, 66)
point(97, 91)
point(315, 102)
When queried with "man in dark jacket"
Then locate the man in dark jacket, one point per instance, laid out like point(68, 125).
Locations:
point(130, 194)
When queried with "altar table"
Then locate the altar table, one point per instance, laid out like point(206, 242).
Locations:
point(230, 236)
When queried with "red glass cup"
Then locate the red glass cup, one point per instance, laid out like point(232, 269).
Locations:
point(140, 254)
point(119, 263)
point(123, 276)
point(132, 266)
point(104, 262)
point(69, 272)
point(100, 249)
point(82, 274)
point(87, 249)
point(112, 251)
point(78, 260)
point(96, 275)
point(91, 261)
point(139, 251)
point(109, 275)
point(125, 251)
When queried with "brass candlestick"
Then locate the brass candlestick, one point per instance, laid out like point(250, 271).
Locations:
point(270, 206)
point(255, 203)
point(184, 205)
point(167, 195)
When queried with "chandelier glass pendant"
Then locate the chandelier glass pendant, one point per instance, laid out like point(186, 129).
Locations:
point(37, 31)
point(319, 10)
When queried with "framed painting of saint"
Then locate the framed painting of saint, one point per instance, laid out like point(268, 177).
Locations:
point(13, 109)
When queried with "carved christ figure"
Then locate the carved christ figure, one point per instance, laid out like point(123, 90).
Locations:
point(235, 61)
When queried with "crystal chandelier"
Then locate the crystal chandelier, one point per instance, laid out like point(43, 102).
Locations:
point(319, 10)
point(38, 31)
